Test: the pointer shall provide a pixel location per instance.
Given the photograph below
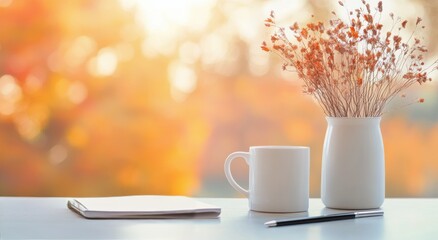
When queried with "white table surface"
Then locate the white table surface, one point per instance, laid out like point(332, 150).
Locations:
point(49, 218)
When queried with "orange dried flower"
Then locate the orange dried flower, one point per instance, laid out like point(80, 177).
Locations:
point(295, 26)
point(265, 47)
point(353, 32)
point(352, 68)
point(304, 33)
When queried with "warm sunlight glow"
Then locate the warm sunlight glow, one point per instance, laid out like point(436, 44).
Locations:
point(10, 94)
point(164, 21)
point(57, 154)
point(5, 3)
point(77, 92)
point(182, 79)
point(156, 15)
point(127, 97)
point(105, 63)
point(189, 52)
point(80, 49)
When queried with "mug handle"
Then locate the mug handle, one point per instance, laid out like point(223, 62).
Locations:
point(230, 158)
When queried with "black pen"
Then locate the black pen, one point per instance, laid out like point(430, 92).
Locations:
point(325, 218)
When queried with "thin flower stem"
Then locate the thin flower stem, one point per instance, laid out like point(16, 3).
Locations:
point(353, 68)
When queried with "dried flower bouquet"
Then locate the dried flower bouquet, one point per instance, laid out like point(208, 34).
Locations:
point(353, 68)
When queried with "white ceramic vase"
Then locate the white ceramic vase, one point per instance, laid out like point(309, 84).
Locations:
point(353, 164)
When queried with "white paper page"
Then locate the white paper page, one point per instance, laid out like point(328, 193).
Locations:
point(149, 203)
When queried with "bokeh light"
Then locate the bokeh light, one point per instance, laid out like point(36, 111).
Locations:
point(117, 97)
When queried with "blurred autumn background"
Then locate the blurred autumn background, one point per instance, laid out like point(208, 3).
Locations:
point(116, 97)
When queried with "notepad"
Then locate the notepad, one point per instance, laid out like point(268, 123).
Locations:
point(144, 206)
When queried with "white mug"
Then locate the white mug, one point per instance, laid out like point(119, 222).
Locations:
point(278, 178)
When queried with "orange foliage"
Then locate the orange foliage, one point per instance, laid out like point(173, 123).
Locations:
point(77, 133)
point(83, 129)
point(411, 158)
